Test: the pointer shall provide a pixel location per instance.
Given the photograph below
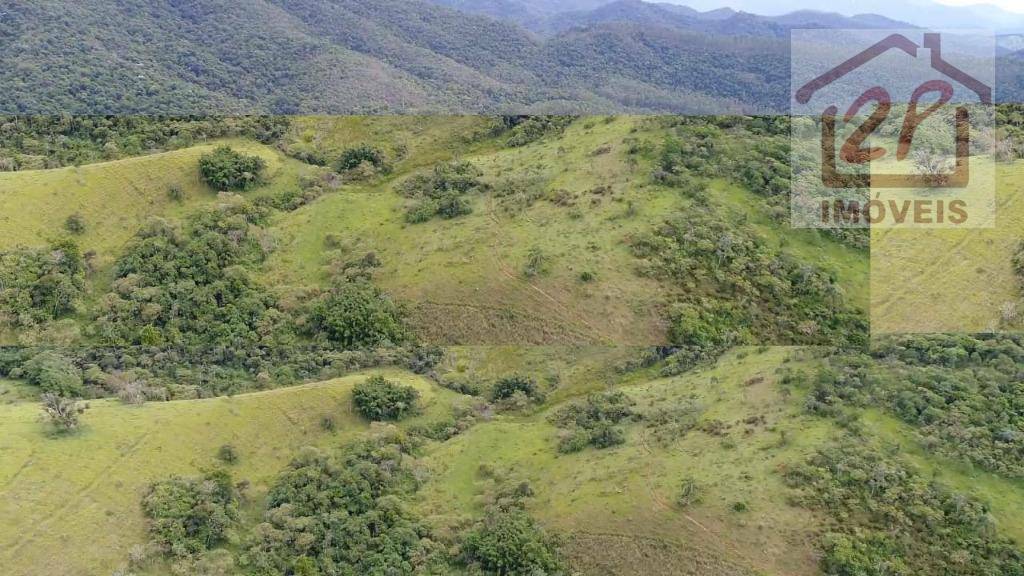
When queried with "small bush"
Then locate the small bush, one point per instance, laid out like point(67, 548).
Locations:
point(328, 423)
point(689, 493)
point(227, 454)
point(593, 422)
point(63, 413)
point(380, 399)
point(574, 440)
point(352, 158)
point(536, 262)
point(443, 192)
point(176, 194)
point(75, 224)
point(524, 130)
point(225, 169)
point(507, 387)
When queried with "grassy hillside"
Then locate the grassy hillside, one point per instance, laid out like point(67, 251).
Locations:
point(579, 199)
point(733, 430)
point(617, 506)
point(547, 253)
point(945, 280)
point(81, 493)
point(115, 198)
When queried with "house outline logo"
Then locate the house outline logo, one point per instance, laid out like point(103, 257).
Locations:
point(854, 153)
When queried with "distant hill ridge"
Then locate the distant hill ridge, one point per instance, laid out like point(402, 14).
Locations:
point(404, 56)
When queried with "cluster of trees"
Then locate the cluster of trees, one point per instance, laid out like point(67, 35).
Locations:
point(377, 398)
point(139, 373)
point(227, 169)
point(961, 393)
point(190, 516)
point(1009, 143)
point(190, 285)
point(38, 285)
point(357, 314)
point(34, 142)
point(523, 130)
point(343, 514)
point(887, 519)
point(754, 292)
point(507, 540)
point(444, 191)
point(753, 152)
point(594, 421)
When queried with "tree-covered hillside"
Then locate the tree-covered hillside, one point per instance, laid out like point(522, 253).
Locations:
point(355, 56)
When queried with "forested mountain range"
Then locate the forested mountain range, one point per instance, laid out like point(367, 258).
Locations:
point(551, 18)
point(385, 56)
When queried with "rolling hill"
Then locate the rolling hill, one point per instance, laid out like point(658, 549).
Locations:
point(580, 201)
point(736, 429)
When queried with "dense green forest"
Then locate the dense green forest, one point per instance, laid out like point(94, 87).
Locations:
point(354, 57)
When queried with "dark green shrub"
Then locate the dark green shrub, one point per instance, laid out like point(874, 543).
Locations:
point(41, 284)
point(353, 157)
point(441, 192)
point(606, 435)
point(53, 373)
point(191, 515)
point(452, 205)
point(689, 493)
point(356, 314)
point(344, 515)
point(226, 169)
point(75, 224)
point(176, 194)
point(379, 399)
point(227, 454)
point(421, 212)
point(574, 440)
point(536, 262)
point(509, 542)
point(328, 423)
point(527, 129)
point(505, 387)
point(593, 421)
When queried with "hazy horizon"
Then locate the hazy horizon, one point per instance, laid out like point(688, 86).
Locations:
point(846, 7)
